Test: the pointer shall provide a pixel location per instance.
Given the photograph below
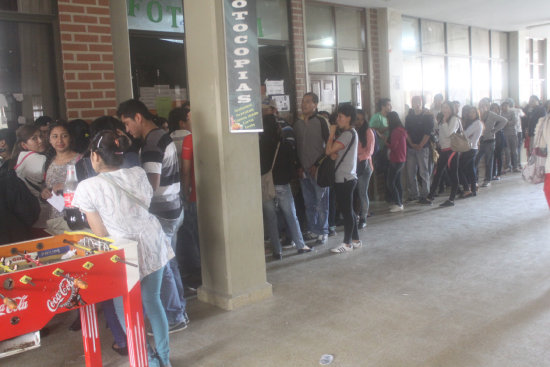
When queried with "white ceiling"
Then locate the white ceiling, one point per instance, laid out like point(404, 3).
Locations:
point(503, 15)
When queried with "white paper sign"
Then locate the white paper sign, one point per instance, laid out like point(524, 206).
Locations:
point(57, 202)
point(274, 87)
point(283, 102)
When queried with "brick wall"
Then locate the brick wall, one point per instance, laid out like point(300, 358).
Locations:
point(87, 53)
point(298, 48)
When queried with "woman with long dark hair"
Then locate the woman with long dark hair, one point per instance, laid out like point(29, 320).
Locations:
point(365, 167)
point(343, 150)
point(473, 128)
point(62, 141)
point(398, 156)
point(448, 160)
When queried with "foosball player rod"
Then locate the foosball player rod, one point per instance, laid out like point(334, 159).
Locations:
point(76, 245)
point(28, 258)
point(10, 303)
point(117, 259)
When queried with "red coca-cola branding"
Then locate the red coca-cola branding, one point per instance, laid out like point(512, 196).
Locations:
point(68, 198)
point(63, 295)
point(22, 304)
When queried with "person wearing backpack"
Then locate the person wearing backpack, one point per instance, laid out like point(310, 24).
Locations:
point(312, 133)
point(365, 167)
point(343, 149)
point(419, 124)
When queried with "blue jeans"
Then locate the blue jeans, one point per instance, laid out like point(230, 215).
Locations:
point(363, 189)
point(316, 203)
point(285, 202)
point(417, 161)
point(487, 150)
point(394, 182)
point(171, 292)
point(119, 334)
point(150, 296)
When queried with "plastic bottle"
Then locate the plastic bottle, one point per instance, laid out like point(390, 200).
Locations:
point(73, 216)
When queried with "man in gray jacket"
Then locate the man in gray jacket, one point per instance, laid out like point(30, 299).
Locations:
point(311, 136)
point(493, 123)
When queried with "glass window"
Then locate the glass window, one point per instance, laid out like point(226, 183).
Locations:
point(433, 37)
point(499, 73)
point(481, 83)
point(459, 79)
point(350, 61)
point(458, 39)
point(499, 45)
point(349, 90)
point(410, 35)
point(320, 60)
point(480, 42)
point(412, 77)
point(272, 19)
point(28, 82)
point(433, 76)
point(319, 26)
point(28, 6)
point(349, 28)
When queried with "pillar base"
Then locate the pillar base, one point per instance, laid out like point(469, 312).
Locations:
point(228, 302)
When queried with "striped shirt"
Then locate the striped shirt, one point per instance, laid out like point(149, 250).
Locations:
point(159, 155)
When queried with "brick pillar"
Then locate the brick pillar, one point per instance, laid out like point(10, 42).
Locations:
point(87, 51)
point(375, 53)
point(298, 48)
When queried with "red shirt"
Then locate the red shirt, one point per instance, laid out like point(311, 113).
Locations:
point(187, 155)
point(398, 145)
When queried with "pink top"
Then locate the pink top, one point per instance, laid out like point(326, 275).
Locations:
point(366, 152)
point(398, 145)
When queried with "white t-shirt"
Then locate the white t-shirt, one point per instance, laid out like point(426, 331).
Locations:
point(30, 169)
point(347, 169)
point(124, 217)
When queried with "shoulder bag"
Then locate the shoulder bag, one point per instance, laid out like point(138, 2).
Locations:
point(326, 168)
point(459, 142)
point(268, 187)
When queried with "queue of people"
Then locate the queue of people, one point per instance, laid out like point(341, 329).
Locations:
point(424, 147)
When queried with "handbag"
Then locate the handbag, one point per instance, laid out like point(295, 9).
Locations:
point(459, 142)
point(326, 168)
point(268, 187)
point(534, 171)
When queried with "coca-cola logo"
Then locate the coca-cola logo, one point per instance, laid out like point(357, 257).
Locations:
point(22, 304)
point(63, 296)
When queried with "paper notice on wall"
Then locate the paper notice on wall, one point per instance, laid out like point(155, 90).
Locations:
point(274, 87)
point(283, 102)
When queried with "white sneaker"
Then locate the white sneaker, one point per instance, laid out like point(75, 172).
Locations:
point(396, 208)
point(342, 248)
point(356, 244)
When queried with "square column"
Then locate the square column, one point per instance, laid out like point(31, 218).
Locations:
point(227, 171)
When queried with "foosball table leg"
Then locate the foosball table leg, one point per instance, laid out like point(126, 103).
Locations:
point(90, 334)
point(135, 329)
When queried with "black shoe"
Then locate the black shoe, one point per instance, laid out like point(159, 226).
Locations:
point(123, 351)
point(277, 256)
point(447, 203)
point(362, 224)
point(304, 250)
point(332, 232)
point(424, 201)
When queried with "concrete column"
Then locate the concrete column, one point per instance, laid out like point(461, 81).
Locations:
point(518, 80)
point(391, 58)
point(227, 172)
point(121, 51)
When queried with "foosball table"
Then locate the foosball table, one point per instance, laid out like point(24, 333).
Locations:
point(52, 275)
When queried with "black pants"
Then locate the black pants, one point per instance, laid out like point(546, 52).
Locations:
point(394, 182)
point(467, 170)
point(443, 165)
point(344, 200)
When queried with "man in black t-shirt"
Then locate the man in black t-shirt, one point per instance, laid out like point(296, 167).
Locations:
point(419, 125)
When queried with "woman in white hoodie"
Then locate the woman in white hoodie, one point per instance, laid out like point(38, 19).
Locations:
point(116, 204)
